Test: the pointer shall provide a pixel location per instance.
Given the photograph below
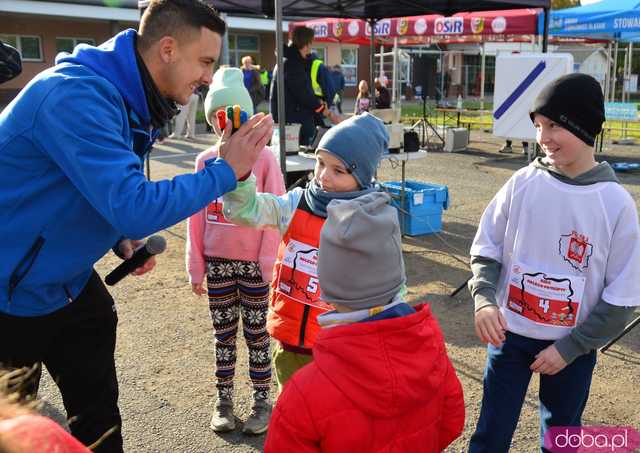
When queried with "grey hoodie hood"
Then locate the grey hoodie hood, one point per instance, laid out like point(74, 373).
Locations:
point(600, 173)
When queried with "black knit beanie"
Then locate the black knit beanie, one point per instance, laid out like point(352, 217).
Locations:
point(576, 103)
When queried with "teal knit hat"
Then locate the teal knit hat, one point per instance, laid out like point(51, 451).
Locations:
point(227, 88)
point(359, 143)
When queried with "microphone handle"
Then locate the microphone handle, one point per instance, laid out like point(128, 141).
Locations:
point(139, 257)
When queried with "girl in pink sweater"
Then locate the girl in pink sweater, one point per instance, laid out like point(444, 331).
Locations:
point(238, 263)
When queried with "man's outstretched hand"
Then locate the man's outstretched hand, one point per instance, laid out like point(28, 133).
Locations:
point(241, 149)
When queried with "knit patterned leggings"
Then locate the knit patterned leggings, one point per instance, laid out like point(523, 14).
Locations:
point(236, 287)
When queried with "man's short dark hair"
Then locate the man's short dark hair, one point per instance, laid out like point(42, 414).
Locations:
point(302, 36)
point(177, 18)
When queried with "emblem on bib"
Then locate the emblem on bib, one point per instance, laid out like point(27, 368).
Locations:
point(576, 250)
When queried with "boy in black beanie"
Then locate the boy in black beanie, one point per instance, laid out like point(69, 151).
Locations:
point(556, 269)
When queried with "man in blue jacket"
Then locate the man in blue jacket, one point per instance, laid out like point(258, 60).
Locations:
point(72, 187)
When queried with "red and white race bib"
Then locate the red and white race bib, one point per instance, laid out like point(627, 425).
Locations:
point(215, 215)
point(548, 299)
point(298, 276)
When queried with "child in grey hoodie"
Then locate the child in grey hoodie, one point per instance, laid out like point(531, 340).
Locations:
point(556, 269)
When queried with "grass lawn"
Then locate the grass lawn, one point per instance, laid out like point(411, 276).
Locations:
point(478, 119)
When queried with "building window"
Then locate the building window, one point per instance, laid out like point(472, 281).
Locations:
point(243, 45)
point(30, 47)
point(68, 44)
point(321, 53)
point(349, 64)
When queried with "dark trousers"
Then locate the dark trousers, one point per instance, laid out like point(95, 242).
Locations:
point(563, 396)
point(307, 131)
point(76, 343)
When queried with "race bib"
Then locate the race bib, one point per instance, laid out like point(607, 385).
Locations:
point(548, 299)
point(298, 276)
point(215, 215)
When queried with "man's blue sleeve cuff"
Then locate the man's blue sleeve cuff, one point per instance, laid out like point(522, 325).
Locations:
point(226, 177)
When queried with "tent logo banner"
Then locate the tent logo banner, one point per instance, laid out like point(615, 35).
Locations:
point(420, 26)
point(381, 28)
point(572, 24)
point(449, 26)
point(556, 23)
point(353, 28)
point(477, 24)
point(403, 26)
point(623, 23)
point(338, 29)
point(320, 29)
point(499, 25)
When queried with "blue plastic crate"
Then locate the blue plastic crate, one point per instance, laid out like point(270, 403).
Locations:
point(422, 207)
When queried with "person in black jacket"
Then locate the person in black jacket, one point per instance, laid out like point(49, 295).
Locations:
point(383, 97)
point(299, 100)
point(10, 63)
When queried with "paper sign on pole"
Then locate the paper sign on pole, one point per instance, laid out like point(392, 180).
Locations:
point(519, 79)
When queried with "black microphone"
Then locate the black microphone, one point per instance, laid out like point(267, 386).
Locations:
point(154, 246)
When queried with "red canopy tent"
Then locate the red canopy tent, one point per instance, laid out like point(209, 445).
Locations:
point(489, 25)
point(482, 26)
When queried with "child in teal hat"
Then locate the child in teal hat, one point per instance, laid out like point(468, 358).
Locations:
point(237, 262)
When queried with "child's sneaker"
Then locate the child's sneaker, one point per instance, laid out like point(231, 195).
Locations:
point(258, 421)
point(223, 419)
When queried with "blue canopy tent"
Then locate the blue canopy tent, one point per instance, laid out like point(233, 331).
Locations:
point(606, 19)
point(612, 20)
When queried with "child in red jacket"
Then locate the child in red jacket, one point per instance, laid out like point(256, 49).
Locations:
point(380, 379)
point(22, 429)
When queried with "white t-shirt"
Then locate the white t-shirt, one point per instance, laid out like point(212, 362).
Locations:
point(562, 248)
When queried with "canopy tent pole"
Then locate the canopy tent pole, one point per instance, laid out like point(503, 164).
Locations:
point(545, 36)
point(442, 87)
point(607, 77)
point(280, 84)
point(614, 75)
point(394, 82)
point(372, 61)
point(624, 75)
point(628, 75)
point(626, 82)
point(482, 74)
point(224, 57)
point(630, 69)
point(381, 60)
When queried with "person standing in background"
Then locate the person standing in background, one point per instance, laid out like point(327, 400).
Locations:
point(10, 63)
point(338, 84)
point(300, 101)
point(252, 81)
point(186, 119)
point(383, 97)
point(265, 80)
point(363, 100)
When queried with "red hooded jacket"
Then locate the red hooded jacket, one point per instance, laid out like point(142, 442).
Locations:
point(378, 386)
point(37, 434)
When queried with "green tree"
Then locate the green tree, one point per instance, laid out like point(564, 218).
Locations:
point(561, 4)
